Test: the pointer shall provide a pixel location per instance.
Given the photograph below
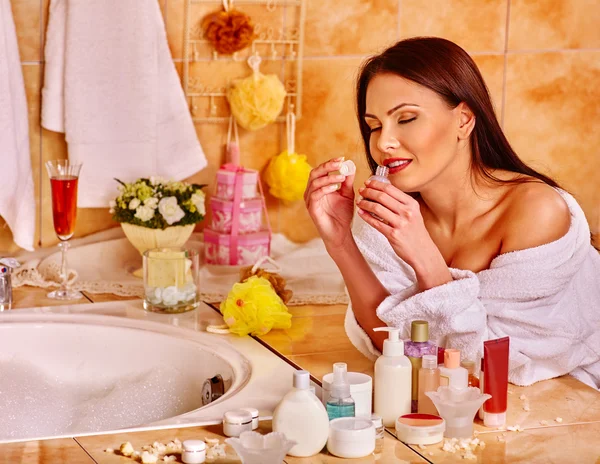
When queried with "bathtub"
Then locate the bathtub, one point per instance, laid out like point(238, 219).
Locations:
point(100, 368)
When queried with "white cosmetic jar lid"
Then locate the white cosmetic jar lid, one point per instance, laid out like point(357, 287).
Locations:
point(351, 437)
point(193, 452)
point(254, 413)
point(237, 421)
point(420, 429)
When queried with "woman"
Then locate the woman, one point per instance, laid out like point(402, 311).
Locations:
point(470, 238)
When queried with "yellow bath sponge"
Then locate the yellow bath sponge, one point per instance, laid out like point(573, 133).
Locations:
point(253, 307)
point(287, 176)
point(257, 100)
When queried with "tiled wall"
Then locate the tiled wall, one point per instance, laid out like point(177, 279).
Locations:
point(540, 58)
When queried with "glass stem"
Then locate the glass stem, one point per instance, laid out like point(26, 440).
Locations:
point(64, 246)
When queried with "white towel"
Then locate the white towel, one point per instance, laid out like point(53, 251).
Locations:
point(546, 299)
point(17, 203)
point(112, 88)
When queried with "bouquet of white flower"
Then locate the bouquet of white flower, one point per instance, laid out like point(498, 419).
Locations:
point(157, 204)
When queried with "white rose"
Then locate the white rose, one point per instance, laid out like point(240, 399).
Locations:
point(151, 202)
point(170, 210)
point(155, 180)
point(144, 213)
point(198, 201)
point(133, 204)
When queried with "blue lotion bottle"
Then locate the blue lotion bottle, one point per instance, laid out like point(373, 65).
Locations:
point(340, 402)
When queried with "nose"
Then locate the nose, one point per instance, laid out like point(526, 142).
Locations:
point(387, 142)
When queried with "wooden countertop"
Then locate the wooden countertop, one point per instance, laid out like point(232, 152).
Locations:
point(315, 341)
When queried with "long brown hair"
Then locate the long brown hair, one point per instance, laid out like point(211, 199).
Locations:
point(449, 71)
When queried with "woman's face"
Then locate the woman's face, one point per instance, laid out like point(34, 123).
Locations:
point(413, 131)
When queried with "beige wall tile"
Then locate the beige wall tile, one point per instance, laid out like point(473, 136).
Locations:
point(553, 24)
point(26, 14)
point(349, 27)
point(328, 129)
point(475, 26)
point(492, 70)
point(552, 121)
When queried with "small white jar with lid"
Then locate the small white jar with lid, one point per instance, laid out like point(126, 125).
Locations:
point(351, 437)
point(237, 421)
point(254, 413)
point(193, 452)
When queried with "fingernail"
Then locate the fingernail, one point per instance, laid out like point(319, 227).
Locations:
point(360, 211)
point(361, 190)
point(341, 158)
point(368, 182)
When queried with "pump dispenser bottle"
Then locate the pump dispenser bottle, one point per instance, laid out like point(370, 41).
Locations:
point(393, 379)
point(302, 418)
point(340, 403)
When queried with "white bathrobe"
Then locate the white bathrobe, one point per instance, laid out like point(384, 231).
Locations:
point(111, 86)
point(546, 299)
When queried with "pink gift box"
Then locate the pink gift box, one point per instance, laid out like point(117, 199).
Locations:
point(248, 248)
point(249, 216)
point(225, 187)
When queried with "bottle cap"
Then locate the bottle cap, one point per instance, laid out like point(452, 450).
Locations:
point(468, 365)
point(393, 346)
point(451, 358)
point(491, 419)
point(237, 417)
point(419, 331)
point(340, 388)
point(377, 421)
point(429, 361)
point(382, 171)
point(301, 380)
point(347, 168)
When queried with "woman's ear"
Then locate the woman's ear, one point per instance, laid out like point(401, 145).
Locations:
point(466, 121)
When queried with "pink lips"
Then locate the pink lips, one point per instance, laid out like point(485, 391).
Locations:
point(396, 169)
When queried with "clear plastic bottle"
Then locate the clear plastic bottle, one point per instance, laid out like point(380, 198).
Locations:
point(381, 175)
point(429, 380)
point(418, 346)
point(340, 402)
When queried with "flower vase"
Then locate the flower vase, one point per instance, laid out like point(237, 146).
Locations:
point(144, 238)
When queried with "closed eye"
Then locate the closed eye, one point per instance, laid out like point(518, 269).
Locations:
point(406, 121)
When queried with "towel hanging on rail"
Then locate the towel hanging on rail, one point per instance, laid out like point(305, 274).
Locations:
point(17, 203)
point(112, 88)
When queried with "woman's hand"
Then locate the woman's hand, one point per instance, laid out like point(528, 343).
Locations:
point(330, 208)
point(402, 224)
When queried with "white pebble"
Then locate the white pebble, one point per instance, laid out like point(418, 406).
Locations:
point(558, 419)
point(149, 458)
point(109, 450)
point(126, 449)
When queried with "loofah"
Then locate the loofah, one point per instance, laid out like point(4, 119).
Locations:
point(228, 31)
point(275, 280)
point(253, 307)
point(287, 176)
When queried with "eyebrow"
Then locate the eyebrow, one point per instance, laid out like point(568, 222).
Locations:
point(390, 112)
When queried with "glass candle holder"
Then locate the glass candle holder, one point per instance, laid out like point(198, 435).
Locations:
point(171, 280)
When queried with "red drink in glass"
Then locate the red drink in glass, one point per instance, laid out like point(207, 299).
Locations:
point(64, 205)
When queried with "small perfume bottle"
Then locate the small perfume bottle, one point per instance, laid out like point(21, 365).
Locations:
point(473, 381)
point(340, 402)
point(381, 175)
point(418, 346)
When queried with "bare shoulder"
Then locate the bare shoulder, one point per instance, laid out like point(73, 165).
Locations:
point(535, 214)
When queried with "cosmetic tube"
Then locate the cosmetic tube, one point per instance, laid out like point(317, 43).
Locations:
point(495, 374)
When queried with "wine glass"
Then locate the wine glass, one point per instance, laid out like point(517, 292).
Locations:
point(63, 180)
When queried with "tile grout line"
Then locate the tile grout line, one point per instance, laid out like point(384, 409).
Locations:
point(504, 71)
point(84, 450)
